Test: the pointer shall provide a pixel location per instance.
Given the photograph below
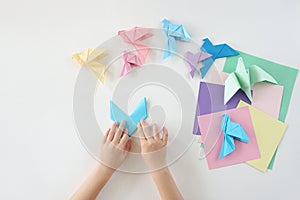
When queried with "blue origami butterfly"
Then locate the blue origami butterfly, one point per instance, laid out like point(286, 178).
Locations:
point(231, 131)
point(116, 114)
point(173, 32)
point(217, 51)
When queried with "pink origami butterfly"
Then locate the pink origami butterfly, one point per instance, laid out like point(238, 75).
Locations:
point(135, 36)
point(130, 60)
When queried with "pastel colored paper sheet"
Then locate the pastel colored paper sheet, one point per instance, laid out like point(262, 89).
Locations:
point(269, 132)
point(211, 134)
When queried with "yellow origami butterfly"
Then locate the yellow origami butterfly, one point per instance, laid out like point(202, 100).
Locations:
point(90, 58)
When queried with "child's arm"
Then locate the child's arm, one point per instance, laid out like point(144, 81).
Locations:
point(165, 184)
point(94, 183)
point(153, 148)
point(114, 148)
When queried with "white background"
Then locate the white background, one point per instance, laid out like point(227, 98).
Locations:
point(41, 156)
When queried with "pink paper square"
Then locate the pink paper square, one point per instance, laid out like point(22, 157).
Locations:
point(212, 136)
point(267, 97)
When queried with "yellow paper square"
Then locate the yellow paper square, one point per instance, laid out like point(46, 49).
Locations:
point(269, 132)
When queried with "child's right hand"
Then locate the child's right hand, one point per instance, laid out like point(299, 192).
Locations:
point(153, 147)
point(115, 146)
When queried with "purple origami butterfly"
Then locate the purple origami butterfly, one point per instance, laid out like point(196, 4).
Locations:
point(194, 59)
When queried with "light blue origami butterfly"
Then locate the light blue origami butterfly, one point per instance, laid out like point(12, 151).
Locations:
point(231, 131)
point(116, 114)
point(173, 32)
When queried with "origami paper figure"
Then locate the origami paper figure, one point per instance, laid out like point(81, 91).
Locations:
point(90, 58)
point(217, 51)
point(194, 59)
point(130, 60)
point(116, 114)
point(231, 131)
point(135, 36)
point(244, 79)
point(173, 32)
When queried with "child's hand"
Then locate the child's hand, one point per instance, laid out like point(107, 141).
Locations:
point(115, 146)
point(153, 147)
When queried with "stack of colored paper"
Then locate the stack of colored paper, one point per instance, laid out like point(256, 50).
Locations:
point(257, 99)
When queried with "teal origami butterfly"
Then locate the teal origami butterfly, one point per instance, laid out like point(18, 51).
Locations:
point(140, 112)
point(231, 131)
point(173, 32)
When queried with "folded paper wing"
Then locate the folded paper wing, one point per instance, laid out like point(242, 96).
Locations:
point(90, 58)
point(140, 112)
point(135, 37)
point(173, 32)
point(231, 131)
point(217, 51)
point(130, 60)
point(259, 75)
point(194, 59)
point(244, 79)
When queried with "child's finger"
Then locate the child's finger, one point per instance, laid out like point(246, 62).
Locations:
point(106, 135)
point(165, 136)
point(147, 130)
point(112, 131)
point(141, 132)
point(128, 145)
point(156, 132)
point(118, 134)
point(124, 139)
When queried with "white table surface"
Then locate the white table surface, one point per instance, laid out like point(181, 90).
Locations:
point(41, 155)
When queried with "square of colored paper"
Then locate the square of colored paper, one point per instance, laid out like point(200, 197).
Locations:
point(213, 137)
point(269, 132)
